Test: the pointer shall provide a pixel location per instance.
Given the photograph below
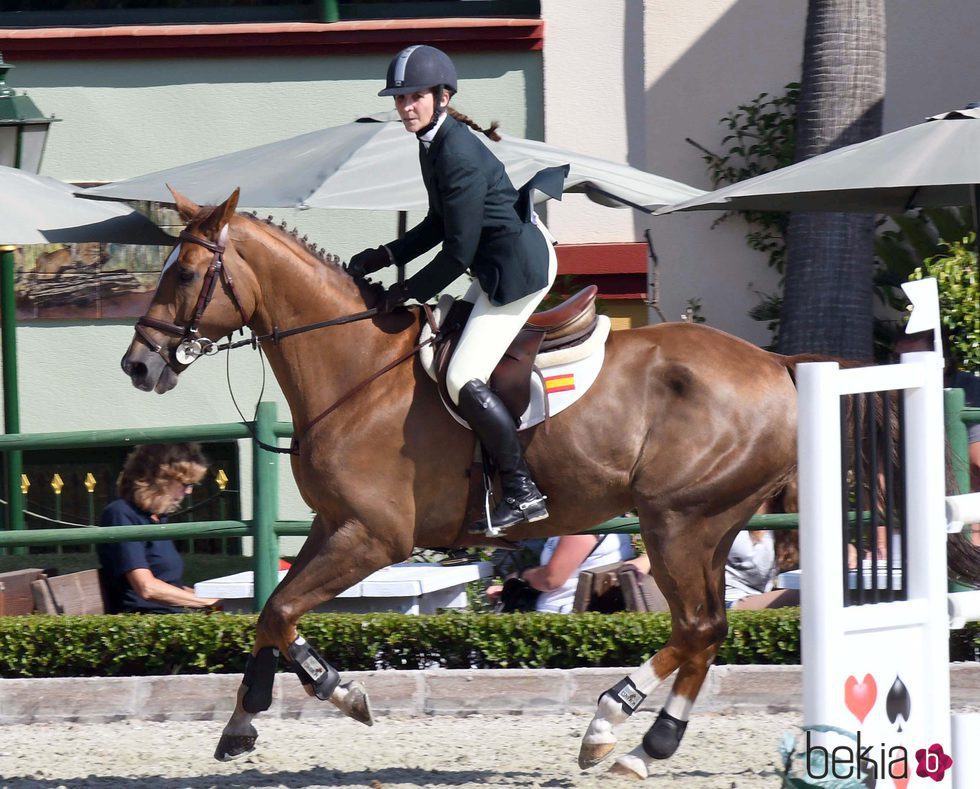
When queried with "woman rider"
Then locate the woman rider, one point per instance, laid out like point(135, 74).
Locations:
point(474, 212)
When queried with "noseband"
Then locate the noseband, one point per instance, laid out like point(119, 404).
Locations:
point(192, 345)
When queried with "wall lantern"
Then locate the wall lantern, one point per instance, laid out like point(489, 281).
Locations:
point(23, 129)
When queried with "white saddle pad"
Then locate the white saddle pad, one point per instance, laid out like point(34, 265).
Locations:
point(567, 373)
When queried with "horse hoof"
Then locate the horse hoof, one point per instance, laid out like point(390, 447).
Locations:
point(354, 703)
point(591, 754)
point(621, 769)
point(231, 746)
point(359, 707)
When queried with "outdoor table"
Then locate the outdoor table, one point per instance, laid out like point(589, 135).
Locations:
point(407, 588)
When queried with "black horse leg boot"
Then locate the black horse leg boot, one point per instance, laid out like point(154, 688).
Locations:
point(494, 426)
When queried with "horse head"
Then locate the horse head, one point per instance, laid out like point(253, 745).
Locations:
point(195, 300)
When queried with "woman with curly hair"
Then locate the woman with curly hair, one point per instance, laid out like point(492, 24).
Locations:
point(146, 577)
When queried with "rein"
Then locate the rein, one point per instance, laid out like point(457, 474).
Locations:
point(373, 377)
point(193, 345)
point(276, 335)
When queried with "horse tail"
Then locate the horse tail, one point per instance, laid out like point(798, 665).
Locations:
point(962, 556)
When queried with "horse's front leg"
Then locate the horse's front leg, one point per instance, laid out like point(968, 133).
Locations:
point(328, 563)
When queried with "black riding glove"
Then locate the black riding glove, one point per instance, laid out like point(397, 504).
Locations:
point(368, 261)
point(393, 298)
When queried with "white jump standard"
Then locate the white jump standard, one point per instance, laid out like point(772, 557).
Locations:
point(880, 669)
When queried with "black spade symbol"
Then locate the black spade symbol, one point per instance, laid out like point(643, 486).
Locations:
point(898, 703)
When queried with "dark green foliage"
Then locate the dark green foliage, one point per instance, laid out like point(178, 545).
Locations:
point(50, 646)
point(955, 270)
point(761, 138)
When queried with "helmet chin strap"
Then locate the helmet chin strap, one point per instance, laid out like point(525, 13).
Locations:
point(436, 114)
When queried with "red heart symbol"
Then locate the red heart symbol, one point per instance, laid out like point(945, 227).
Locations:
point(860, 696)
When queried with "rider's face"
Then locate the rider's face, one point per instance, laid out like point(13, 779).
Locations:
point(416, 109)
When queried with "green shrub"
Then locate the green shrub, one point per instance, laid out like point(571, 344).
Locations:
point(956, 277)
point(59, 646)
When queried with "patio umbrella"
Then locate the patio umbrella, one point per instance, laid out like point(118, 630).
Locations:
point(35, 209)
point(931, 164)
point(372, 163)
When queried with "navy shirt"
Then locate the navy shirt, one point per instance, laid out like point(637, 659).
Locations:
point(160, 557)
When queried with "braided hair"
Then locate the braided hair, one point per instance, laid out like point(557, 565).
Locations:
point(491, 132)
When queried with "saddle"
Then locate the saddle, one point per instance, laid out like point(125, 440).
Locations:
point(569, 324)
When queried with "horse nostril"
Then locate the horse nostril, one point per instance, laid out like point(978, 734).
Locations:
point(134, 369)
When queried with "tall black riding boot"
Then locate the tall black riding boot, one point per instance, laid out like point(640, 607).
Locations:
point(494, 426)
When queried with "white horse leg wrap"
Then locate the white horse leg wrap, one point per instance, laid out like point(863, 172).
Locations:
point(618, 703)
point(644, 679)
point(678, 707)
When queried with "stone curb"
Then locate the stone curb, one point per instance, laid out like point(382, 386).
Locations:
point(728, 689)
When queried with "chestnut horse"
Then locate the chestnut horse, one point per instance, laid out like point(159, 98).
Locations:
point(690, 426)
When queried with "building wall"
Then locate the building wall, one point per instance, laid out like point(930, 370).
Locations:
point(633, 80)
point(631, 83)
point(703, 59)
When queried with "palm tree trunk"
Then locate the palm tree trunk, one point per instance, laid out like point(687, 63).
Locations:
point(827, 296)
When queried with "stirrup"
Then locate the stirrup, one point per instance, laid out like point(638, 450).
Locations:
point(529, 511)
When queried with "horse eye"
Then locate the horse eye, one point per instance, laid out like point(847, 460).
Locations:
point(185, 275)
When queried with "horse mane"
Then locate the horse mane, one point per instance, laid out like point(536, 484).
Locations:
point(292, 239)
point(302, 246)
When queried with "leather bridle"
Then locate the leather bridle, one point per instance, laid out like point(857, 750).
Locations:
point(192, 345)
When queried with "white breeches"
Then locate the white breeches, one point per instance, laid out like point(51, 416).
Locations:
point(491, 329)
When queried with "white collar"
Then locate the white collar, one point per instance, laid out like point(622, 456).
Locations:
point(429, 136)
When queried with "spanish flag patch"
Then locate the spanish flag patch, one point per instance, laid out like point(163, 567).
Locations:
point(559, 383)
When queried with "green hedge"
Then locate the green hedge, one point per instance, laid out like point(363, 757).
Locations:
point(59, 646)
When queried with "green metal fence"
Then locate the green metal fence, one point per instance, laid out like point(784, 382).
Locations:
point(264, 527)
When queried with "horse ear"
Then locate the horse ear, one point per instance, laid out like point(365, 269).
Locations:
point(186, 208)
point(222, 214)
point(229, 207)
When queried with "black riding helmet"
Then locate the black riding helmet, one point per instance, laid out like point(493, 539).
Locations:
point(417, 68)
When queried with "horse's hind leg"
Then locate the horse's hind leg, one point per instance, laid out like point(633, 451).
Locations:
point(664, 736)
point(687, 561)
point(327, 564)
